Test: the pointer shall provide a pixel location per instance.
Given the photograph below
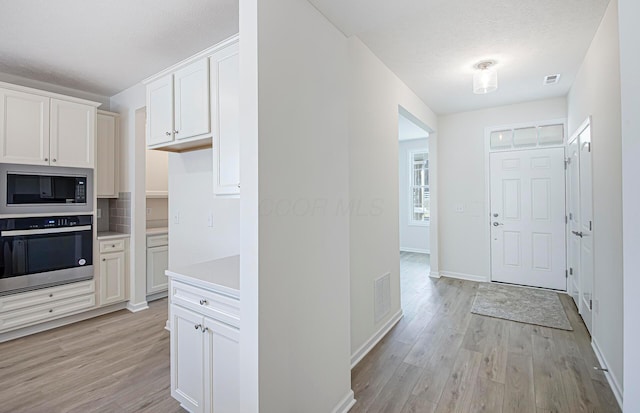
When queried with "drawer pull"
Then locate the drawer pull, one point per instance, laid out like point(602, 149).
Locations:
point(113, 246)
point(51, 311)
point(50, 295)
point(203, 301)
point(197, 326)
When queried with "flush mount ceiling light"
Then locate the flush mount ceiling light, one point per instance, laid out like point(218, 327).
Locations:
point(485, 78)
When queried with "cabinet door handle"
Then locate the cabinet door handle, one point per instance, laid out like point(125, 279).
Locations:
point(168, 133)
point(113, 245)
point(197, 326)
point(46, 159)
point(203, 301)
point(204, 330)
point(104, 259)
point(176, 132)
point(54, 159)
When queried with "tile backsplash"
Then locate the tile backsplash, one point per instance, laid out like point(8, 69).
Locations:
point(120, 213)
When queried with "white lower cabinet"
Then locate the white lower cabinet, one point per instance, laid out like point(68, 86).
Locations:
point(205, 357)
point(113, 272)
point(157, 263)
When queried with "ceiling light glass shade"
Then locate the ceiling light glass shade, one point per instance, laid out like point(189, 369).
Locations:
point(485, 80)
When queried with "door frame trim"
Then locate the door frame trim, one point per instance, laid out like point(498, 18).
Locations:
point(487, 172)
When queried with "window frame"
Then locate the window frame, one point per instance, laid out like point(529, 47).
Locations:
point(412, 186)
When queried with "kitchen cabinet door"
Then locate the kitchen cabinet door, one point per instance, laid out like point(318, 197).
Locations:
point(187, 359)
point(191, 94)
point(222, 358)
point(157, 264)
point(226, 111)
point(73, 134)
point(112, 278)
point(107, 156)
point(24, 128)
point(160, 111)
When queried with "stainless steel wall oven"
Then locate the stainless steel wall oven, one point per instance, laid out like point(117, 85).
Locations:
point(38, 252)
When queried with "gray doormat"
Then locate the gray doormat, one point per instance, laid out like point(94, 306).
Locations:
point(526, 305)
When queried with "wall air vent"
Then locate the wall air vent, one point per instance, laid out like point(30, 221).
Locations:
point(551, 79)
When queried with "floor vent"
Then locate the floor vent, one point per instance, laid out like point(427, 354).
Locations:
point(551, 79)
point(382, 297)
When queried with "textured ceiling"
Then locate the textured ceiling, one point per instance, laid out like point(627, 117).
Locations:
point(432, 45)
point(107, 46)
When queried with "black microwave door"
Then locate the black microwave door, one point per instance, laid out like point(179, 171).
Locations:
point(25, 189)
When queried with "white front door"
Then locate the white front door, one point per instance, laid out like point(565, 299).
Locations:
point(528, 218)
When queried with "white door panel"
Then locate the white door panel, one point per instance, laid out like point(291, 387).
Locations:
point(586, 224)
point(573, 213)
point(527, 213)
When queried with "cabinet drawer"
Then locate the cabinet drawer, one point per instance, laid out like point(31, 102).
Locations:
point(157, 240)
point(56, 309)
point(44, 296)
point(113, 245)
point(207, 303)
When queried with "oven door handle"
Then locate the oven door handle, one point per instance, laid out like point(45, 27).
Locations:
point(19, 233)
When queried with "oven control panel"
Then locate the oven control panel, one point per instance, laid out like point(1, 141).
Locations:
point(45, 222)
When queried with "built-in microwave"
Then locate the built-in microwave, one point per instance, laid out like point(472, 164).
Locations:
point(29, 189)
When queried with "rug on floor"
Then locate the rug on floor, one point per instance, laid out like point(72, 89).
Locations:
point(526, 305)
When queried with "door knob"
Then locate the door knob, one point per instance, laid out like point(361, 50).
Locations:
point(576, 233)
point(495, 224)
point(495, 215)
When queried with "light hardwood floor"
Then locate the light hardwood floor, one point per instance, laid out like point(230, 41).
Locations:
point(111, 364)
point(441, 358)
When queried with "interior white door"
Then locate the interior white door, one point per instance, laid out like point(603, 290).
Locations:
point(528, 218)
point(585, 233)
point(573, 216)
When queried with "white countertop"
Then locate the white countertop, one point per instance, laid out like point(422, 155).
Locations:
point(221, 275)
point(112, 235)
point(157, 231)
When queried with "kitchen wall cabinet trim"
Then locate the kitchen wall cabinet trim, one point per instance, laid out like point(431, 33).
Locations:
point(107, 154)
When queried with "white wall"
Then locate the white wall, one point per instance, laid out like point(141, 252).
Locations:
point(414, 238)
point(628, 12)
point(464, 237)
point(596, 92)
point(191, 188)
point(130, 105)
point(375, 96)
point(294, 156)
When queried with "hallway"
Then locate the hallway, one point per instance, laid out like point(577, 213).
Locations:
point(442, 358)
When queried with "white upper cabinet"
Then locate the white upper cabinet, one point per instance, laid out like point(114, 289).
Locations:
point(42, 128)
point(160, 111)
point(73, 134)
point(180, 101)
point(191, 94)
point(225, 68)
point(24, 128)
point(107, 155)
point(178, 108)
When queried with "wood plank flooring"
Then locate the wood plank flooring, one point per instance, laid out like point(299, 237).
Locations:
point(441, 358)
point(111, 364)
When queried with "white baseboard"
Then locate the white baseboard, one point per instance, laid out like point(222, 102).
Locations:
point(157, 296)
point(371, 343)
point(613, 382)
point(461, 276)
point(134, 308)
point(418, 250)
point(434, 274)
point(49, 325)
point(346, 404)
